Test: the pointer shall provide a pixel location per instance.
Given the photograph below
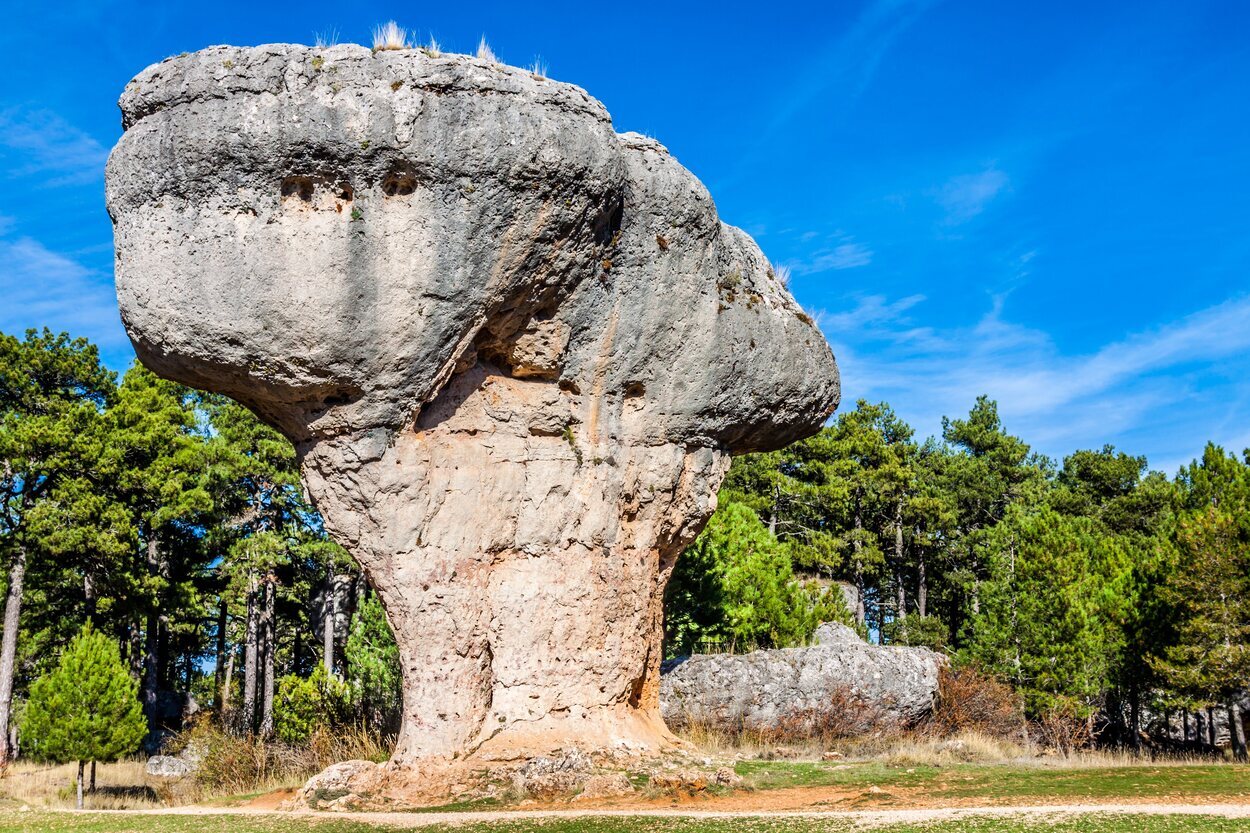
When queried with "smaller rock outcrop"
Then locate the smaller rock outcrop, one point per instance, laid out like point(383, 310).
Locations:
point(886, 684)
point(170, 766)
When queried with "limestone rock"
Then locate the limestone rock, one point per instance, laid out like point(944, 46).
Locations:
point(170, 766)
point(894, 684)
point(606, 785)
point(546, 778)
point(339, 786)
point(682, 781)
point(836, 633)
point(514, 350)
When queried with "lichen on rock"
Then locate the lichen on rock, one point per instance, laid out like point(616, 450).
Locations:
point(496, 332)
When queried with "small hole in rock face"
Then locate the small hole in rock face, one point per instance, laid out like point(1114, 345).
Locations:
point(399, 184)
point(298, 186)
point(345, 192)
point(634, 389)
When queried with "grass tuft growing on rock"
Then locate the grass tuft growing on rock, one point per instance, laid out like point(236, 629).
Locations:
point(390, 35)
point(484, 52)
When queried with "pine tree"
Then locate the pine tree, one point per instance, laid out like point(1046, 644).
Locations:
point(735, 584)
point(52, 388)
point(371, 659)
point(87, 709)
point(1207, 654)
point(1046, 622)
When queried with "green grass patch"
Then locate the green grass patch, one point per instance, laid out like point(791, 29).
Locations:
point(1001, 783)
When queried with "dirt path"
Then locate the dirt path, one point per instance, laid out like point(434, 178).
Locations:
point(865, 818)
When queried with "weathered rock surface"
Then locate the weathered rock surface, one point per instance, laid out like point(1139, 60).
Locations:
point(514, 350)
point(893, 684)
point(339, 787)
point(170, 766)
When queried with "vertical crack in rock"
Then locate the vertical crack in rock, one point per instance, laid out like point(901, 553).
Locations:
point(514, 350)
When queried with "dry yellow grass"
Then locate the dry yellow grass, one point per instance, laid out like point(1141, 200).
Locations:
point(484, 52)
point(119, 786)
point(913, 749)
point(390, 35)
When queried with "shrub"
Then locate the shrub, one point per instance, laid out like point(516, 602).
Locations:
point(846, 714)
point(304, 704)
point(970, 700)
point(918, 631)
point(231, 764)
point(1063, 728)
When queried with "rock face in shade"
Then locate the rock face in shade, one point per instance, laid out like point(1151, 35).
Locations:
point(514, 350)
point(881, 684)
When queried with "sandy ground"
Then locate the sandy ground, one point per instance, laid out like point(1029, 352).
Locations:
point(865, 818)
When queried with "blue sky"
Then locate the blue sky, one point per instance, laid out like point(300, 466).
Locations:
point(1045, 202)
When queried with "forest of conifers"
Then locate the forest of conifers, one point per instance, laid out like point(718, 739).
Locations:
point(174, 521)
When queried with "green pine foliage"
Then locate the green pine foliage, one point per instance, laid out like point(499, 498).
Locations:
point(372, 660)
point(1047, 622)
point(305, 704)
point(87, 708)
point(734, 587)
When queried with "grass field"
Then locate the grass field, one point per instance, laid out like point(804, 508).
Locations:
point(829, 785)
point(1008, 784)
point(38, 822)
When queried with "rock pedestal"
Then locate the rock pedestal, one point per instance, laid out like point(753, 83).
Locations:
point(513, 348)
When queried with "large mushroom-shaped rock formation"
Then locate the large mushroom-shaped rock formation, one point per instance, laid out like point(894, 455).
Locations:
point(513, 348)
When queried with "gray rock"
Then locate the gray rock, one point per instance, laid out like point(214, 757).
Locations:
point(338, 787)
point(760, 689)
point(836, 633)
point(514, 349)
point(606, 785)
point(552, 777)
point(169, 766)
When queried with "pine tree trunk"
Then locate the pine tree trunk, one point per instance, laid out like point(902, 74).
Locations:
point(250, 660)
point(151, 642)
point(151, 647)
point(1200, 728)
point(227, 685)
point(219, 670)
point(976, 586)
point(857, 546)
point(327, 623)
point(78, 804)
point(267, 648)
point(1134, 719)
point(89, 594)
point(1211, 725)
point(1185, 725)
point(1236, 732)
point(900, 589)
point(92, 790)
point(922, 585)
point(8, 648)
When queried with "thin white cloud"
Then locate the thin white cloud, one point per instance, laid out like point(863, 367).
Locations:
point(41, 143)
point(844, 254)
point(964, 197)
point(42, 288)
point(869, 311)
point(1060, 402)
